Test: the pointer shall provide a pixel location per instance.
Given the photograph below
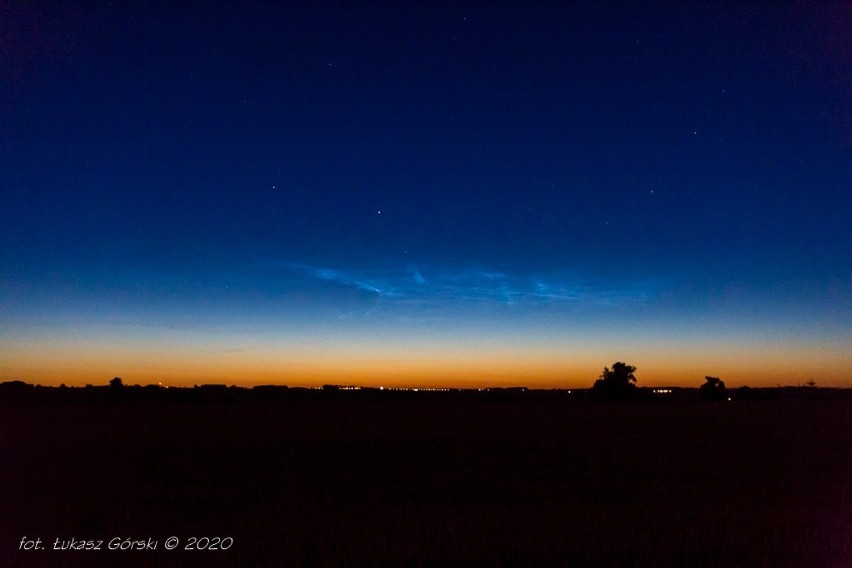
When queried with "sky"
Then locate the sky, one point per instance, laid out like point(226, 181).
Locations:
point(425, 194)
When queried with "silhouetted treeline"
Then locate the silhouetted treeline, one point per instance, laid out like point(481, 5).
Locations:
point(20, 392)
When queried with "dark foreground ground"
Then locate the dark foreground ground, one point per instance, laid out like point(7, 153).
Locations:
point(431, 481)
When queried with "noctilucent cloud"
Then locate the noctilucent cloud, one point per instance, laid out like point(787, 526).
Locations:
point(425, 194)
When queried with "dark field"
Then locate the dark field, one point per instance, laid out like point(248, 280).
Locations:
point(433, 481)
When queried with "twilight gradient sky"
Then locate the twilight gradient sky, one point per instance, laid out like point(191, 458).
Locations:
point(424, 194)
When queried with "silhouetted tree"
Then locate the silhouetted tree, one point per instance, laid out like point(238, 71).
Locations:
point(713, 389)
point(116, 383)
point(618, 382)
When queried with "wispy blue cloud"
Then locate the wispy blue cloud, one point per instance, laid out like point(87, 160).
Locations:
point(331, 275)
point(430, 286)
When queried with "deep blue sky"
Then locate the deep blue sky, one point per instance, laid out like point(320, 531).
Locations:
point(300, 171)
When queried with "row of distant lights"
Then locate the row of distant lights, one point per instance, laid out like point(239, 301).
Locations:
point(669, 391)
point(414, 390)
point(420, 389)
point(656, 391)
point(392, 389)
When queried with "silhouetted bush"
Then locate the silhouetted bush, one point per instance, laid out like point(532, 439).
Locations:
point(748, 393)
point(15, 385)
point(713, 389)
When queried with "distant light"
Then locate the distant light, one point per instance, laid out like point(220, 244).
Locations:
point(729, 399)
point(381, 388)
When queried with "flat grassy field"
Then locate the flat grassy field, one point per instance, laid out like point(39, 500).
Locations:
point(432, 481)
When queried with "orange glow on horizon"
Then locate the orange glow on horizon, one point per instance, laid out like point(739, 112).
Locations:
point(533, 370)
point(555, 363)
